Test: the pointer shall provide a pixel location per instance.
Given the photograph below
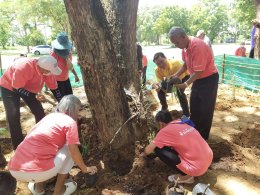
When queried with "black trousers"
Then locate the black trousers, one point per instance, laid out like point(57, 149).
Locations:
point(251, 54)
point(169, 157)
point(12, 102)
point(181, 96)
point(65, 87)
point(202, 103)
point(144, 75)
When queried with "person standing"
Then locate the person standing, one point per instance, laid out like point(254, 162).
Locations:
point(199, 61)
point(50, 149)
point(165, 68)
point(24, 79)
point(241, 51)
point(202, 35)
point(144, 63)
point(181, 147)
point(251, 53)
point(61, 51)
point(139, 56)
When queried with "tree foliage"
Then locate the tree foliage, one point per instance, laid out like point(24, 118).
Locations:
point(20, 19)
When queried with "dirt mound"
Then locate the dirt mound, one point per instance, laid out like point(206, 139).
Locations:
point(234, 139)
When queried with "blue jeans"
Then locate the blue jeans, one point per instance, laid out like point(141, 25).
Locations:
point(12, 102)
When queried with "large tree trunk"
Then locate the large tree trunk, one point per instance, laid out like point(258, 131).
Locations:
point(257, 33)
point(104, 32)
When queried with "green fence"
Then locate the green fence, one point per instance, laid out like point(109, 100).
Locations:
point(239, 71)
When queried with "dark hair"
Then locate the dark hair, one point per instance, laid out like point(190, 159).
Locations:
point(157, 55)
point(163, 116)
point(23, 55)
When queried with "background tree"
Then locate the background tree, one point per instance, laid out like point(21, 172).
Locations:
point(171, 16)
point(210, 16)
point(105, 37)
point(145, 22)
point(5, 27)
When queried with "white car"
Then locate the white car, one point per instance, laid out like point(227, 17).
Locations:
point(247, 42)
point(41, 49)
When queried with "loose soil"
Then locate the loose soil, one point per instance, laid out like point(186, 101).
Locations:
point(234, 139)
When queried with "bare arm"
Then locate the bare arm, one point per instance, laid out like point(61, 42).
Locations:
point(149, 149)
point(75, 75)
point(192, 78)
point(181, 70)
point(77, 158)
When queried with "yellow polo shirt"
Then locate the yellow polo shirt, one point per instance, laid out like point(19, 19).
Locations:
point(171, 68)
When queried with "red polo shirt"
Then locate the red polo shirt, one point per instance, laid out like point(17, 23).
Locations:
point(194, 152)
point(199, 57)
point(23, 73)
point(62, 63)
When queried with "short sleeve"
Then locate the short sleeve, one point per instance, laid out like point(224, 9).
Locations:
point(51, 82)
point(72, 133)
point(21, 75)
point(198, 56)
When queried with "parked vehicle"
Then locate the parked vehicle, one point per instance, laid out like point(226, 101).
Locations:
point(247, 42)
point(230, 40)
point(41, 49)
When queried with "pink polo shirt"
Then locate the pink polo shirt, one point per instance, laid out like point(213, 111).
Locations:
point(39, 148)
point(23, 73)
point(62, 63)
point(199, 57)
point(194, 152)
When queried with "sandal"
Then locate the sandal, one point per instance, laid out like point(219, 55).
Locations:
point(31, 187)
point(173, 178)
point(70, 187)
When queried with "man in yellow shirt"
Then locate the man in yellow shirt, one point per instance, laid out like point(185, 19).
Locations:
point(164, 70)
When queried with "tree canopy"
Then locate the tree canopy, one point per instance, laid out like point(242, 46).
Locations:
point(31, 22)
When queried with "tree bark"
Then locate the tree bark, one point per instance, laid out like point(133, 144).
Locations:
point(104, 32)
point(257, 33)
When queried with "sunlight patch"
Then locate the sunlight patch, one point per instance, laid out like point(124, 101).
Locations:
point(245, 109)
point(237, 187)
point(231, 118)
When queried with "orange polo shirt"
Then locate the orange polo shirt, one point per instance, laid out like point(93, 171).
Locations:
point(194, 152)
point(23, 73)
point(144, 61)
point(199, 57)
point(241, 51)
point(62, 63)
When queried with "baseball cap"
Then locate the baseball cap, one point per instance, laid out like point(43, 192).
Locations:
point(49, 63)
point(200, 32)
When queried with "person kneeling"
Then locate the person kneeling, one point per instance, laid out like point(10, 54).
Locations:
point(51, 148)
point(180, 146)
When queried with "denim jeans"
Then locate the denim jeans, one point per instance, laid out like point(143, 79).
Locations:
point(11, 101)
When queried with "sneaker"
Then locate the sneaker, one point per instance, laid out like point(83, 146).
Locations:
point(31, 187)
point(71, 187)
point(173, 178)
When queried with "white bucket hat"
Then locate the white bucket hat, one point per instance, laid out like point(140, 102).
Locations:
point(49, 63)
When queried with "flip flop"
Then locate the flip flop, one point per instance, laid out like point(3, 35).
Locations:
point(31, 187)
point(173, 178)
point(70, 187)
